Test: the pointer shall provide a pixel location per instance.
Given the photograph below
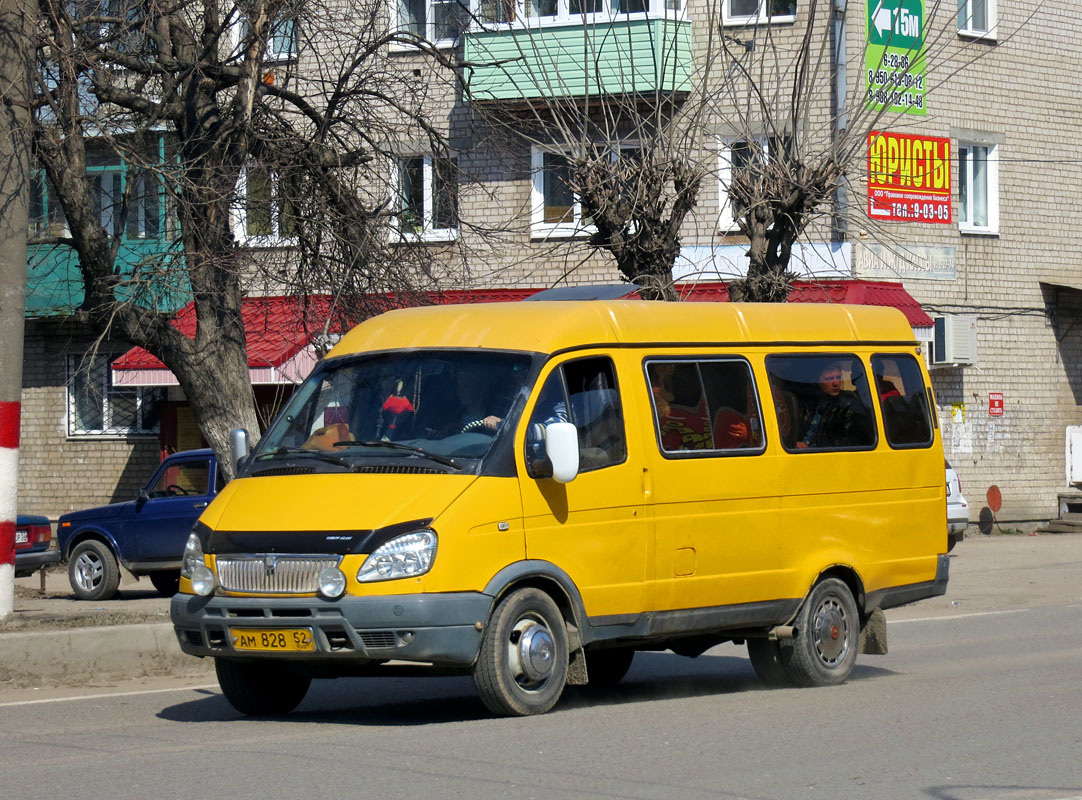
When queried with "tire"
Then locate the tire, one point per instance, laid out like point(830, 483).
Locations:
point(606, 668)
point(261, 689)
point(93, 571)
point(766, 660)
point(522, 667)
point(167, 582)
point(828, 636)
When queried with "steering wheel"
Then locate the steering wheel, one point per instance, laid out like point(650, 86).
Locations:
point(172, 490)
point(477, 426)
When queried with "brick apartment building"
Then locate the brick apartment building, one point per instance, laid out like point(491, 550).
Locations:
point(983, 105)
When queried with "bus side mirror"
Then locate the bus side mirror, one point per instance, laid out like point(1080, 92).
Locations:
point(238, 448)
point(562, 447)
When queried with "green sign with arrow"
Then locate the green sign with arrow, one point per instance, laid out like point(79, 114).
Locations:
point(894, 59)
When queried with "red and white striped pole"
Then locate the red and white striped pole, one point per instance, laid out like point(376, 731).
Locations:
point(14, 201)
point(9, 489)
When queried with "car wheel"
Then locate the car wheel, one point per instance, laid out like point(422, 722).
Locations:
point(261, 689)
point(522, 666)
point(167, 582)
point(766, 660)
point(828, 633)
point(608, 667)
point(93, 571)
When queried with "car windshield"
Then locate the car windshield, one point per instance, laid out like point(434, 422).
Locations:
point(443, 407)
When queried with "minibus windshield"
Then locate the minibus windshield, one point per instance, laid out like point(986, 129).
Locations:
point(444, 407)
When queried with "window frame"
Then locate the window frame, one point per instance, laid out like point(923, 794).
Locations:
point(274, 214)
point(608, 11)
point(270, 57)
point(762, 17)
point(558, 372)
point(727, 222)
point(876, 360)
point(826, 358)
point(539, 229)
point(428, 232)
point(99, 371)
point(706, 452)
point(400, 24)
point(966, 225)
point(988, 32)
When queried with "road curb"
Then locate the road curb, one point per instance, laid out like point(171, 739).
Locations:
point(81, 656)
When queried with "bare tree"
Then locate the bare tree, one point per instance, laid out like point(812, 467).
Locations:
point(210, 105)
point(772, 106)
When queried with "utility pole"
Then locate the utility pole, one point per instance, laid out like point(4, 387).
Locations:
point(14, 202)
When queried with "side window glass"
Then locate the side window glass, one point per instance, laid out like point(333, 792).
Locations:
point(178, 480)
point(585, 393)
point(823, 402)
point(708, 405)
point(903, 400)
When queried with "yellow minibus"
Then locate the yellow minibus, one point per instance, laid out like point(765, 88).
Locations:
point(532, 492)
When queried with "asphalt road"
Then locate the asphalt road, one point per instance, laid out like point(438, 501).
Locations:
point(980, 697)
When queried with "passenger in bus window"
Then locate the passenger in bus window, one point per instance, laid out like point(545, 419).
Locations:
point(838, 418)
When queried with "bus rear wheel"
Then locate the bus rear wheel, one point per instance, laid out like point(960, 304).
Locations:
point(828, 635)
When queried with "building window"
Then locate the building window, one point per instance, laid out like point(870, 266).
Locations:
point(755, 12)
point(438, 21)
point(428, 198)
point(98, 408)
point(978, 188)
point(555, 207)
point(265, 216)
point(534, 12)
point(977, 18)
point(281, 44)
point(738, 156)
point(46, 214)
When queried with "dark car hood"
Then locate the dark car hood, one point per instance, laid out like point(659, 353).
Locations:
point(99, 512)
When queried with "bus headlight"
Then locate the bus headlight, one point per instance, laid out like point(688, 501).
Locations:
point(404, 556)
point(193, 556)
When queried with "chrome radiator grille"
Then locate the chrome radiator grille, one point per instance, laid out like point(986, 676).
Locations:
point(273, 574)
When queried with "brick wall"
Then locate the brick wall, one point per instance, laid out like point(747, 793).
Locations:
point(58, 473)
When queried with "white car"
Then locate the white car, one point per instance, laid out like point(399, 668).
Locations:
point(957, 509)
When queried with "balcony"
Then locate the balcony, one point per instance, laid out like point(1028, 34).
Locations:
point(579, 59)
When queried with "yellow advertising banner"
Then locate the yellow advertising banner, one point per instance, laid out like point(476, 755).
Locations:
point(909, 177)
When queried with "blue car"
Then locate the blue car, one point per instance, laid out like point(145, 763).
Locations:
point(33, 535)
point(146, 535)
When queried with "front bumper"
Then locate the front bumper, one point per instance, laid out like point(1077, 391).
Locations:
point(441, 629)
point(27, 563)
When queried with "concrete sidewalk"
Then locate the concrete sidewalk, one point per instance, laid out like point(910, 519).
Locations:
point(56, 640)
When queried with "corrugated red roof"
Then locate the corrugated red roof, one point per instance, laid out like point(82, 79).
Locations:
point(277, 328)
point(854, 292)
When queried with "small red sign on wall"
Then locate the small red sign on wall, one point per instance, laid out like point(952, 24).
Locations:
point(995, 404)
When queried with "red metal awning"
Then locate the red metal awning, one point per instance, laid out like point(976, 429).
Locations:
point(279, 331)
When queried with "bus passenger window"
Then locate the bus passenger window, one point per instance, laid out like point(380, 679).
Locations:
point(705, 406)
point(823, 402)
point(903, 400)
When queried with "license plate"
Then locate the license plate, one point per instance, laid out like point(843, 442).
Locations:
point(277, 640)
point(22, 537)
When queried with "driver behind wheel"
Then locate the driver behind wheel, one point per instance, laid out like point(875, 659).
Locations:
point(478, 408)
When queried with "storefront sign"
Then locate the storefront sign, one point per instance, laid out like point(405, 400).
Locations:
point(995, 404)
point(909, 178)
point(894, 59)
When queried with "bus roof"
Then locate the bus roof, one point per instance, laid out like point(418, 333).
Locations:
point(548, 327)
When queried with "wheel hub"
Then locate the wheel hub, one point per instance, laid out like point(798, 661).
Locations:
point(830, 632)
point(536, 651)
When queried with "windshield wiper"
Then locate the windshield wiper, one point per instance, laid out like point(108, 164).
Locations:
point(300, 451)
point(417, 451)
